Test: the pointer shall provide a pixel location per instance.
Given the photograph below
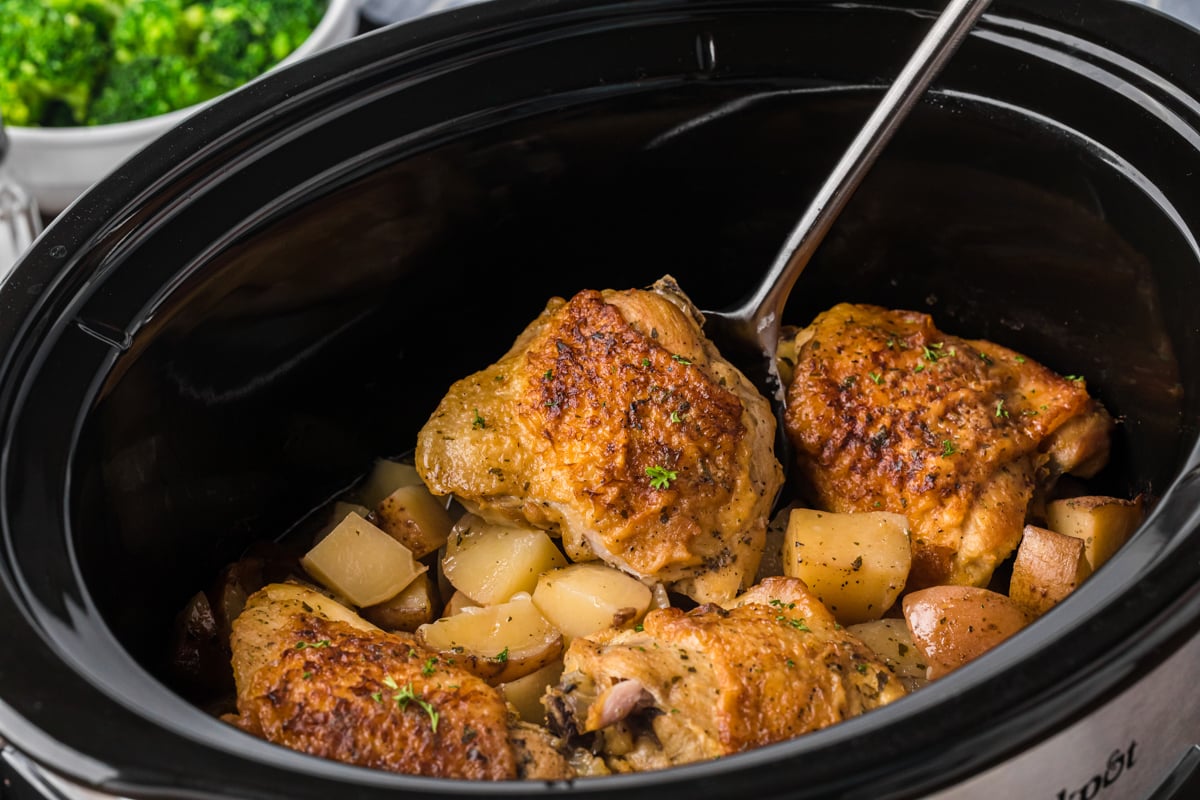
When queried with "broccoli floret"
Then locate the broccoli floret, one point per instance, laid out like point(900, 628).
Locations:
point(232, 48)
point(156, 28)
point(50, 56)
point(243, 38)
point(146, 86)
point(66, 62)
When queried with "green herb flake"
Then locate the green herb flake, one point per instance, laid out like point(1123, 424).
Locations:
point(429, 667)
point(660, 477)
point(985, 358)
point(919, 368)
point(1019, 359)
point(312, 645)
point(676, 418)
point(478, 422)
point(875, 376)
point(791, 663)
point(548, 375)
point(948, 448)
point(1075, 378)
point(799, 625)
point(680, 359)
point(862, 668)
point(390, 682)
point(639, 627)
point(377, 697)
point(645, 362)
point(1001, 411)
point(502, 656)
point(308, 676)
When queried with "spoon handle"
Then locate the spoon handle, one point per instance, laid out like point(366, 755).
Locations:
point(947, 33)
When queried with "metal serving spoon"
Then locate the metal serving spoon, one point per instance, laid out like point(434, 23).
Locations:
point(749, 335)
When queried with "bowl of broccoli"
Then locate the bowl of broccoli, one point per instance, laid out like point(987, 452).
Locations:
point(86, 83)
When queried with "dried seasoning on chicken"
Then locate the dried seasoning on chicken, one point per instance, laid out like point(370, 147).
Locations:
point(714, 681)
point(315, 677)
point(887, 413)
point(613, 422)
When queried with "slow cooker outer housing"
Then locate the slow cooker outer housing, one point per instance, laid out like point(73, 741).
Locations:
point(154, 301)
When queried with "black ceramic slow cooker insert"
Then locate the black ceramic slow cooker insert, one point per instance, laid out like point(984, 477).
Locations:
point(225, 332)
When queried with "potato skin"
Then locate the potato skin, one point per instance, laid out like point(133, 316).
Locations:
point(1049, 566)
point(955, 624)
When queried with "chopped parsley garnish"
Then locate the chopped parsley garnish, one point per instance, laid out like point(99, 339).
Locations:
point(934, 352)
point(313, 645)
point(430, 664)
point(639, 627)
point(406, 695)
point(862, 668)
point(548, 375)
point(986, 358)
point(390, 682)
point(675, 417)
point(680, 359)
point(502, 656)
point(660, 477)
point(919, 368)
point(948, 448)
point(875, 376)
point(1001, 411)
point(645, 362)
point(377, 697)
point(1019, 359)
point(791, 663)
point(478, 422)
point(308, 676)
point(1076, 378)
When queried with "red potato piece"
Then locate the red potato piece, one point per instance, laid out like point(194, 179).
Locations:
point(1048, 567)
point(952, 625)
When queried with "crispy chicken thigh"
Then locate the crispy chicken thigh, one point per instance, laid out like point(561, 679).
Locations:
point(714, 681)
point(314, 677)
point(615, 423)
point(887, 413)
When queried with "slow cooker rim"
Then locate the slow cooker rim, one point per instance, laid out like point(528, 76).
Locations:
point(93, 207)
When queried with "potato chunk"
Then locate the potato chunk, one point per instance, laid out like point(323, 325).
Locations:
point(414, 518)
point(498, 643)
point(385, 478)
point(361, 563)
point(491, 563)
point(1103, 523)
point(856, 564)
point(525, 694)
point(457, 602)
point(407, 611)
point(952, 625)
point(1047, 568)
point(584, 598)
point(892, 641)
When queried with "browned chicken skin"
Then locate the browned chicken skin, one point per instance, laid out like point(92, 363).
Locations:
point(710, 682)
point(314, 677)
point(889, 414)
point(614, 422)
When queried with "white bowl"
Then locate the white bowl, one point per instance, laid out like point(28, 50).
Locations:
point(58, 164)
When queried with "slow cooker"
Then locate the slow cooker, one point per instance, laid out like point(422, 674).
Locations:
point(225, 332)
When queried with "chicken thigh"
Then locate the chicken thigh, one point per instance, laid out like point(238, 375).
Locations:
point(613, 422)
point(887, 413)
point(313, 676)
point(715, 681)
